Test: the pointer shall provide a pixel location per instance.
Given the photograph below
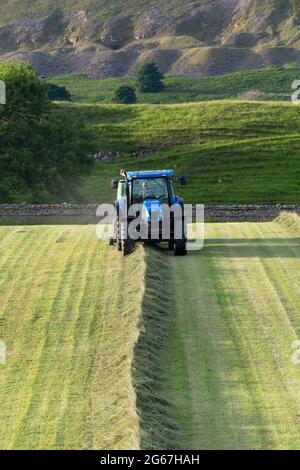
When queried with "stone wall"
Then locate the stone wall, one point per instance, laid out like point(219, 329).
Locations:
point(250, 213)
point(86, 213)
point(48, 213)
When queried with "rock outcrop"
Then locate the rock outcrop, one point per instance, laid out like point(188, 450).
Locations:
point(118, 32)
point(152, 24)
point(29, 33)
point(209, 38)
point(79, 28)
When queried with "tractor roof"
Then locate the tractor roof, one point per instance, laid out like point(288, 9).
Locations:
point(150, 174)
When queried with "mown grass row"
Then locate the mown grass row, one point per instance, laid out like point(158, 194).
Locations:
point(214, 360)
point(86, 333)
point(158, 428)
point(291, 221)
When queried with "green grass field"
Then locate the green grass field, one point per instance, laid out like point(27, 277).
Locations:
point(231, 151)
point(67, 383)
point(228, 371)
point(274, 81)
point(151, 350)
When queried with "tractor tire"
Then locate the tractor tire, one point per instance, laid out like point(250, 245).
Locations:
point(171, 244)
point(127, 245)
point(180, 244)
point(180, 248)
point(118, 235)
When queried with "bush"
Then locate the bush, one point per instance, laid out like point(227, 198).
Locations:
point(58, 93)
point(149, 79)
point(125, 95)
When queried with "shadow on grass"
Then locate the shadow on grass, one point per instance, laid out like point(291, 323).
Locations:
point(242, 248)
point(251, 248)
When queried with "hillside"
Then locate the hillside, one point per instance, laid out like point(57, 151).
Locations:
point(270, 83)
point(103, 39)
point(231, 151)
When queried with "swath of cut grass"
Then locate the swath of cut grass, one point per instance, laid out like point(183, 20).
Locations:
point(158, 429)
point(291, 221)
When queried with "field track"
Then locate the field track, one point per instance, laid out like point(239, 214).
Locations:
point(236, 314)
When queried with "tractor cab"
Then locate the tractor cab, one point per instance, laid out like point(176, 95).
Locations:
point(151, 192)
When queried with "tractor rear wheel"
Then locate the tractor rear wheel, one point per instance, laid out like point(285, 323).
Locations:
point(118, 234)
point(180, 248)
point(171, 245)
point(180, 243)
point(127, 245)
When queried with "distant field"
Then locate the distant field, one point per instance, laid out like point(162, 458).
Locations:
point(274, 81)
point(231, 151)
point(67, 382)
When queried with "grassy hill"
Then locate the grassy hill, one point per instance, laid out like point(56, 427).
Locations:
point(231, 151)
point(273, 82)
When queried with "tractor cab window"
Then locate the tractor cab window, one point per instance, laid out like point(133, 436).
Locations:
point(150, 188)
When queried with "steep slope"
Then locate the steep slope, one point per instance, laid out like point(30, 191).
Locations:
point(232, 152)
point(110, 39)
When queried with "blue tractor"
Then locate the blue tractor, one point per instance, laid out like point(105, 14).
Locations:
point(152, 192)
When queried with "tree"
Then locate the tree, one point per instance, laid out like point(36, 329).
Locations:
point(125, 95)
point(26, 94)
point(44, 149)
point(149, 78)
point(58, 93)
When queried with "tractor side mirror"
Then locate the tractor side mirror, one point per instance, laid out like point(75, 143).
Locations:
point(183, 180)
point(114, 184)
